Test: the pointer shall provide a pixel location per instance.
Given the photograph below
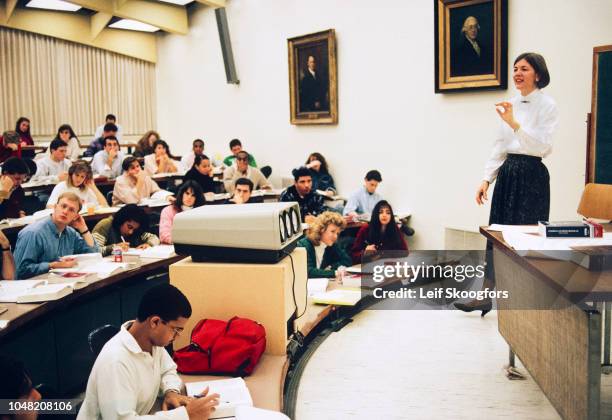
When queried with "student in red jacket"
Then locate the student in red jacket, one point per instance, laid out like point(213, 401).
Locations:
point(381, 234)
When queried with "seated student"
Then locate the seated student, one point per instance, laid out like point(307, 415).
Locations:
point(108, 162)
point(79, 181)
point(243, 170)
point(14, 172)
point(145, 144)
point(41, 245)
point(10, 145)
point(197, 149)
point(363, 200)
point(311, 204)
point(97, 143)
point(323, 253)
point(189, 196)
point(8, 262)
point(54, 167)
point(128, 228)
point(236, 146)
point(381, 234)
point(134, 184)
point(202, 173)
point(66, 134)
point(161, 160)
point(134, 368)
point(17, 385)
point(22, 127)
point(110, 119)
point(321, 178)
point(242, 193)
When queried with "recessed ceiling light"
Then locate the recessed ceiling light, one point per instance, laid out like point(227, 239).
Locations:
point(53, 5)
point(179, 2)
point(133, 25)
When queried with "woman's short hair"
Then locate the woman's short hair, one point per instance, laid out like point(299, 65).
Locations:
point(196, 189)
point(127, 162)
point(538, 63)
point(321, 223)
point(198, 159)
point(78, 167)
point(134, 213)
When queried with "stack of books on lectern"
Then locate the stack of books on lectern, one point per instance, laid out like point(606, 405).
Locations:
point(583, 229)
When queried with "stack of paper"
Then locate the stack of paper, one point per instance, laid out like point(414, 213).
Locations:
point(317, 285)
point(232, 393)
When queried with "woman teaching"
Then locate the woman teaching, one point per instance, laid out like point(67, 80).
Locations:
point(522, 189)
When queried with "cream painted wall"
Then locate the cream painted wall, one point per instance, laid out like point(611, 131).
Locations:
point(430, 148)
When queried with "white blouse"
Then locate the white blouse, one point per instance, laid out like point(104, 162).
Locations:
point(538, 116)
point(319, 251)
point(87, 196)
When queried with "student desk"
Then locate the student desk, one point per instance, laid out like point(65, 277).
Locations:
point(560, 347)
point(51, 337)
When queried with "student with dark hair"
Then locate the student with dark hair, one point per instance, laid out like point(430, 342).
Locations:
point(134, 368)
point(381, 234)
point(134, 185)
point(324, 255)
point(202, 173)
point(97, 144)
point(110, 119)
point(145, 144)
point(41, 245)
point(189, 196)
point(319, 171)
point(242, 170)
point(66, 133)
point(161, 160)
point(128, 228)
point(79, 181)
point(197, 149)
point(17, 385)
point(311, 204)
point(236, 146)
point(53, 168)
point(14, 172)
point(362, 201)
point(22, 127)
point(108, 162)
point(243, 188)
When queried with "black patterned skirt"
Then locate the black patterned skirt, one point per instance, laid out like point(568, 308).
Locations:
point(522, 192)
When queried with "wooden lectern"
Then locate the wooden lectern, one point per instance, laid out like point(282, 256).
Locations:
point(261, 292)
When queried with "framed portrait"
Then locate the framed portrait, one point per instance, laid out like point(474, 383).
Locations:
point(313, 78)
point(471, 45)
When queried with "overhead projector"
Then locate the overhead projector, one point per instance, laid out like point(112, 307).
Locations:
point(260, 233)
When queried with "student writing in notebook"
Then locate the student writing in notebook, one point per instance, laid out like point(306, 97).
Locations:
point(324, 255)
point(133, 367)
point(127, 228)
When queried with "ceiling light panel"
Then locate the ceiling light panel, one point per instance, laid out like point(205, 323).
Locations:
point(53, 5)
point(133, 25)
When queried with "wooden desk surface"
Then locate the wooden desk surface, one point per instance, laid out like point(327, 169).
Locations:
point(567, 277)
point(19, 314)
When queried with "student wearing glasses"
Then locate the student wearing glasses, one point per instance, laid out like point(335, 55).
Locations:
point(134, 368)
point(14, 172)
point(243, 170)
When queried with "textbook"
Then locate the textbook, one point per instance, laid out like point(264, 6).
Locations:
point(340, 297)
point(75, 279)
point(39, 293)
point(564, 229)
point(232, 393)
point(593, 258)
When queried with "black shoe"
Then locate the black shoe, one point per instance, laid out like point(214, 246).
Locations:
point(485, 307)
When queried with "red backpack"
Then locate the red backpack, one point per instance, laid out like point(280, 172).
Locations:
point(219, 347)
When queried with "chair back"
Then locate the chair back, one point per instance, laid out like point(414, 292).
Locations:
point(99, 336)
point(596, 201)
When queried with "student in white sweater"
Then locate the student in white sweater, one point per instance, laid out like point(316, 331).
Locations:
point(54, 167)
point(80, 182)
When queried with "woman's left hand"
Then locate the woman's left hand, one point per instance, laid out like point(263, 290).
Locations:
point(507, 115)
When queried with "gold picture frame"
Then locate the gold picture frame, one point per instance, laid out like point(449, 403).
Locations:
point(471, 45)
point(313, 78)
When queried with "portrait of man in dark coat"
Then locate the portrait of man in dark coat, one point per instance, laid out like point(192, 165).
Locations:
point(313, 88)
